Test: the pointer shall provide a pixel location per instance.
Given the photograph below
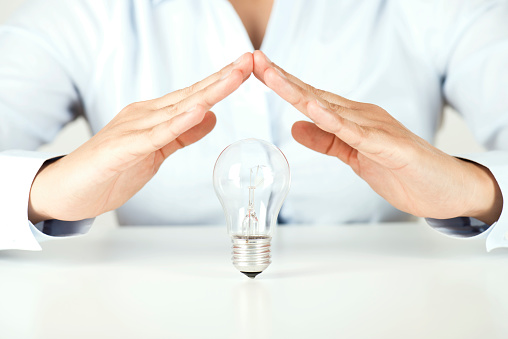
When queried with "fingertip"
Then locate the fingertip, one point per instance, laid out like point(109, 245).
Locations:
point(259, 57)
point(247, 62)
point(210, 119)
point(301, 130)
point(248, 54)
point(205, 125)
point(313, 137)
point(261, 63)
point(297, 127)
point(297, 130)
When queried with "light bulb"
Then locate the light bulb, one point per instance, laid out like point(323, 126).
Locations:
point(251, 179)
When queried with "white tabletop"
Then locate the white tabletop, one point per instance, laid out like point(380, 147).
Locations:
point(362, 281)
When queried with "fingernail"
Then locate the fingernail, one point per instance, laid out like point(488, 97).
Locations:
point(268, 59)
point(237, 61)
point(280, 73)
point(225, 75)
point(193, 108)
point(322, 105)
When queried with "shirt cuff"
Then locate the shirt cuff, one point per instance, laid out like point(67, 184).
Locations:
point(51, 229)
point(460, 227)
point(19, 169)
point(465, 227)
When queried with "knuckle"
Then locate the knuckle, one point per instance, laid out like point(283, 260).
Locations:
point(297, 101)
point(153, 138)
point(300, 97)
point(367, 133)
point(336, 128)
point(334, 107)
point(372, 107)
point(188, 91)
point(119, 122)
point(129, 112)
point(171, 110)
point(316, 91)
point(362, 134)
point(206, 99)
point(131, 108)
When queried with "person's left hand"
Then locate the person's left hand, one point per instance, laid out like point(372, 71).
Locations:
point(406, 170)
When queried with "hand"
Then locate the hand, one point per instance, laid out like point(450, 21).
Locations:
point(407, 171)
point(117, 162)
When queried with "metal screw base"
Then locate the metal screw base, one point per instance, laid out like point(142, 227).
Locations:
point(251, 254)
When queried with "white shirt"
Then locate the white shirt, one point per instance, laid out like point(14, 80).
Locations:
point(59, 58)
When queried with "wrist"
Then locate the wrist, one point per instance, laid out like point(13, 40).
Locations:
point(37, 198)
point(485, 200)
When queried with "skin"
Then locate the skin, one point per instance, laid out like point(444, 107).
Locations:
point(406, 170)
point(117, 162)
point(254, 15)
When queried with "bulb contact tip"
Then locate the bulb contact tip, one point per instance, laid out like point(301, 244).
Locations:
point(251, 275)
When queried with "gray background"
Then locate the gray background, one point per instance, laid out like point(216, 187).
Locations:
point(454, 136)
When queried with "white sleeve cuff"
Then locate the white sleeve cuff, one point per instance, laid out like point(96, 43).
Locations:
point(18, 170)
point(464, 227)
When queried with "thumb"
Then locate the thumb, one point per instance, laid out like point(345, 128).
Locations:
point(313, 137)
point(192, 135)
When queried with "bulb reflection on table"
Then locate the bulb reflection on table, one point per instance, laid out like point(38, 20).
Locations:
point(252, 309)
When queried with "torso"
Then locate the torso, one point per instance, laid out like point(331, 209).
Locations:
point(361, 50)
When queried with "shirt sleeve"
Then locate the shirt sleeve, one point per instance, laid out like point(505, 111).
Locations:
point(473, 57)
point(42, 69)
point(16, 232)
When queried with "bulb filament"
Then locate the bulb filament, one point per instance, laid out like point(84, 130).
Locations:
point(250, 225)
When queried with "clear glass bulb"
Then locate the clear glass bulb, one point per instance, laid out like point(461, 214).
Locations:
point(251, 179)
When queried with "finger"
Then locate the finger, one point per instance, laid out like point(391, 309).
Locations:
point(262, 64)
point(300, 98)
point(207, 97)
point(149, 140)
point(191, 136)
point(244, 64)
point(313, 137)
point(364, 139)
point(289, 91)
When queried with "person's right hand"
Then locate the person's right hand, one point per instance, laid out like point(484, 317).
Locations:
point(117, 162)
